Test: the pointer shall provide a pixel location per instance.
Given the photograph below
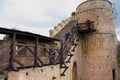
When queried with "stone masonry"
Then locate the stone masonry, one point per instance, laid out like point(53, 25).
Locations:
point(99, 49)
point(95, 57)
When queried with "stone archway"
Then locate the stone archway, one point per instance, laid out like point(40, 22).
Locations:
point(74, 71)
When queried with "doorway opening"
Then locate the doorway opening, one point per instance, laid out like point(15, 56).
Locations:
point(114, 74)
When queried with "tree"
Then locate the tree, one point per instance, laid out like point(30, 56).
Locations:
point(73, 13)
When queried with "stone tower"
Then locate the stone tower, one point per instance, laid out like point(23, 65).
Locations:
point(98, 48)
point(92, 56)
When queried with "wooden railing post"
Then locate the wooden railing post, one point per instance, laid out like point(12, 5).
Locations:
point(13, 52)
point(61, 53)
point(36, 53)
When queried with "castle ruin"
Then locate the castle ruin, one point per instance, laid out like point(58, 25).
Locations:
point(82, 47)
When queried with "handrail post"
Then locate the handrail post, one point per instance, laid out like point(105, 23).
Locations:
point(61, 53)
point(12, 53)
point(36, 53)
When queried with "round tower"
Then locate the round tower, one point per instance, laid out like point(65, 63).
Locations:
point(99, 47)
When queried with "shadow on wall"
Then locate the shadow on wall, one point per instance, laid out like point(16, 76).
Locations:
point(74, 71)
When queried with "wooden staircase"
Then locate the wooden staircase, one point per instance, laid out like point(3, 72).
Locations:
point(71, 42)
point(70, 32)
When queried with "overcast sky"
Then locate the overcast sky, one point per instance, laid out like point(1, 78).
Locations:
point(39, 16)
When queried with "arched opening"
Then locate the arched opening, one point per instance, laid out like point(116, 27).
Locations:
point(74, 71)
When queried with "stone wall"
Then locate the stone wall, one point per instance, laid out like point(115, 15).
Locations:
point(99, 49)
point(44, 73)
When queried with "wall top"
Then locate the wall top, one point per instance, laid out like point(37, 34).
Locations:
point(93, 0)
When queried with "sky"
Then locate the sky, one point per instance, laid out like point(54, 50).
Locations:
point(39, 16)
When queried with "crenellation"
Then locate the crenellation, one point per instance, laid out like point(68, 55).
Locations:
point(60, 26)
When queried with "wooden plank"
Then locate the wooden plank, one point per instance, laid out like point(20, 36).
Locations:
point(19, 63)
point(23, 56)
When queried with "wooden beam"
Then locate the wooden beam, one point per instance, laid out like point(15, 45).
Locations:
point(30, 50)
point(20, 49)
point(36, 53)
point(13, 52)
point(61, 53)
point(21, 65)
point(20, 44)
